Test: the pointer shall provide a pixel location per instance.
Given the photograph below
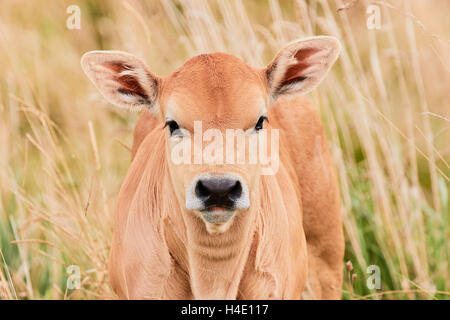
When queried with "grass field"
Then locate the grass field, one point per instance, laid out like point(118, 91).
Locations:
point(64, 151)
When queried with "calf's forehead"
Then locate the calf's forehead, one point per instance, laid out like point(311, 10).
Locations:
point(215, 88)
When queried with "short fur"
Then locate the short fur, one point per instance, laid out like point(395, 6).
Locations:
point(289, 244)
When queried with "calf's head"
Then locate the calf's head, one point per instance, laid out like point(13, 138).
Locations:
point(213, 109)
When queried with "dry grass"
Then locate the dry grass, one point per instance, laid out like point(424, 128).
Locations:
point(386, 107)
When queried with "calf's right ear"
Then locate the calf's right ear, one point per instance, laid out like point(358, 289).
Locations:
point(123, 79)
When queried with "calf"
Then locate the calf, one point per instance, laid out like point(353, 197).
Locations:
point(187, 228)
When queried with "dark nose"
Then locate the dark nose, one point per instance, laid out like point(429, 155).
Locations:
point(218, 192)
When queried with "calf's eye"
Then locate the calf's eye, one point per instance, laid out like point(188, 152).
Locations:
point(260, 123)
point(174, 129)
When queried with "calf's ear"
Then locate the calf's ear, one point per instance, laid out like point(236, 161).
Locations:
point(123, 79)
point(301, 65)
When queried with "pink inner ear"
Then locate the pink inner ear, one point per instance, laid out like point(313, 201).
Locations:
point(297, 70)
point(117, 66)
point(128, 83)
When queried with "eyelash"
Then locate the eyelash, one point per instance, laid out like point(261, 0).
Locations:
point(260, 123)
point(173, 126)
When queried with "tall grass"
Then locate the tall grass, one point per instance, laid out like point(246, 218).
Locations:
point(64, 151)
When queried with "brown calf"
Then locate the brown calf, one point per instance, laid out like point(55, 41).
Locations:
point(222, 230)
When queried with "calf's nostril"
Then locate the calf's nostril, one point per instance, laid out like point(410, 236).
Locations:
point(220, 192)
point(236, 191)
point(201, 191)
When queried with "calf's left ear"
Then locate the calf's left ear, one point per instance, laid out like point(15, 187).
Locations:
point(301, 65)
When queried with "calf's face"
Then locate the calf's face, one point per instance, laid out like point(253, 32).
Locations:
point(214, 113)
point(212, 107)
